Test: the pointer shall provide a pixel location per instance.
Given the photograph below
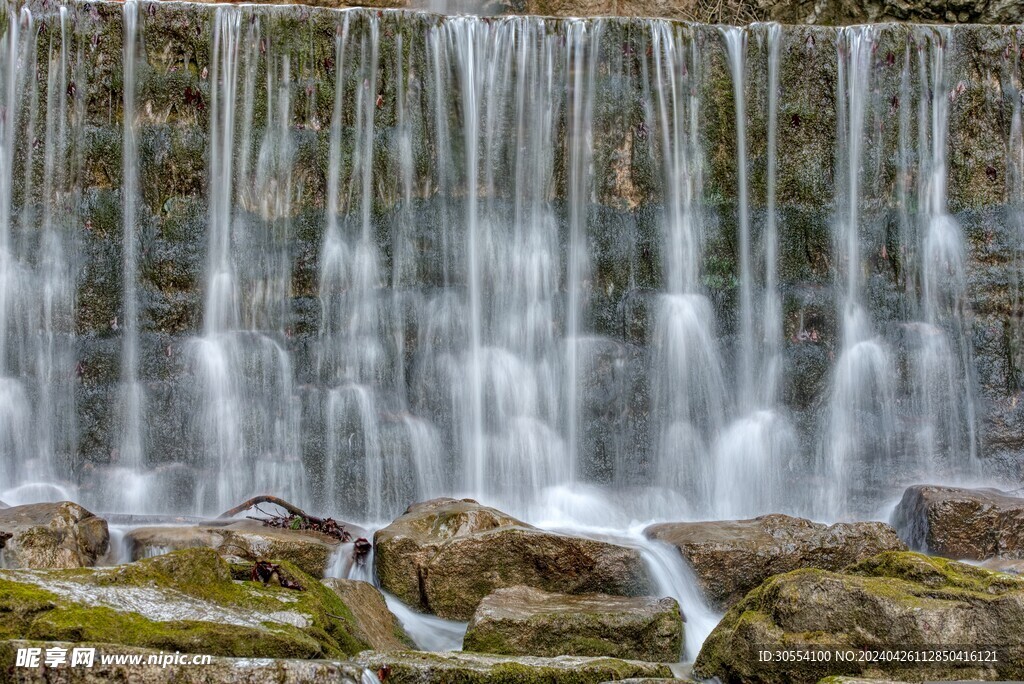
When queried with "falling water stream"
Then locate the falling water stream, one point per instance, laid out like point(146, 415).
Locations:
point(480, 257)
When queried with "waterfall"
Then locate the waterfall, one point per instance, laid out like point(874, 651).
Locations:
point(861, 424)
point(561, 266)
point(946, 439)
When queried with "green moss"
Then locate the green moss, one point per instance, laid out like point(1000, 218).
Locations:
point(936, 573)
point(28, 611)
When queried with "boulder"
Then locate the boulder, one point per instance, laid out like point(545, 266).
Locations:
point(732, 557)
point(52, 535)
point(972, 524)
point(528, 621)
point(219, 670)
point(896, 600)
point(443, 556)
point(186, 601)
point(249, 539)
point(419, 667)
point(374, 623)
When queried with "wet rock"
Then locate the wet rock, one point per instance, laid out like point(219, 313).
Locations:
point(219, 670)
point(184, 601)
point(732, 557)
point(961, 523)
point(896, 600)
point(374, 623)
point(1009, 566)
point(310, 551)
point(417, 667)
point(527, 621)
point(445, 555)
point(52, 535)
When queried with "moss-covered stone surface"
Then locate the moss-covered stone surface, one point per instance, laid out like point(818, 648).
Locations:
point(415, 667)
point(182, 601)
point(896, 600)
point(526, 621)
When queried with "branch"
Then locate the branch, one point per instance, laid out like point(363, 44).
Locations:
point(265, 498)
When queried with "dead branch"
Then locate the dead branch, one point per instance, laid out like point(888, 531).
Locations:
point(263, 498)
point(266, 572)
point(298, 519)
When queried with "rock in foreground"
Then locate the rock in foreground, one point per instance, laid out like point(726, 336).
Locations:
point(527, 621)
point(219, 670)
point(892, 601)
point(310, 551)
point(52, 535)
point(444, 555)
point(373, 622)
point(184, 601)
point(973, 524)
point(731, 557)
point(419, 667)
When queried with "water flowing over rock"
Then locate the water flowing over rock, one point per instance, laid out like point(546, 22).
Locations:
point(732, 557)
point(445, 555)
point(526, 621)
point(311, 552)
point(58, 535)
point(375, 624)
point(427, 668)
point(894, 600)
point(972, 524)
point(184, 601)
point(363, 258)
point(218, 670)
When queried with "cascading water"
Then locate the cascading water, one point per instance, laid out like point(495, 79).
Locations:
point(545, 263)
point(946, 440)
point(860, 435)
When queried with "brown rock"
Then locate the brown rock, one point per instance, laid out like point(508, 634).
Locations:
point(734, 556)
point(894, 601)
point(527, 621)
point(445, 555)
point(52, 535)
point(962, 523)
point(249, 539)
point(374, 623)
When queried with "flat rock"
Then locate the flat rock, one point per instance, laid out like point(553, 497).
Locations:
point(443, 556)
point(528, 621)
point(419, 667)
point(219, 670)
point(896, 600)
point(374, 623)
point(970, 524)
point(188, 601)
point(52, 535)
point(249, 539)
point(732, 557)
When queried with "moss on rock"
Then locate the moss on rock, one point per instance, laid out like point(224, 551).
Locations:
point(896, 600)
point(187, 601)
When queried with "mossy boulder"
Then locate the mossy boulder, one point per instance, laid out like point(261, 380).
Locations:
point(974, 524)
point(52, 535)
point(250, 539)
point(527, 621)
point(895, 600)
point(184, 601)
point(374, 623)
point(731, 557)
point(219, 670)
point(445, 555)
point(418, 667)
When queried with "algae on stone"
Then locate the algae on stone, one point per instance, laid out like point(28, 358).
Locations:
point(185, 601)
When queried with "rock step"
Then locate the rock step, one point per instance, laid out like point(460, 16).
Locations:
point(527, 621)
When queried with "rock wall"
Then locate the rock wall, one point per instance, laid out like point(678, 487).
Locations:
point(173, 104)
